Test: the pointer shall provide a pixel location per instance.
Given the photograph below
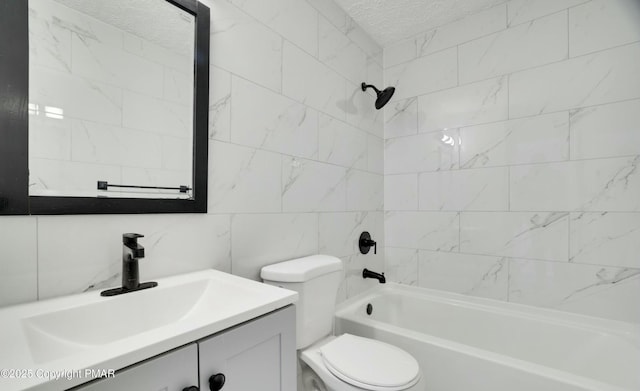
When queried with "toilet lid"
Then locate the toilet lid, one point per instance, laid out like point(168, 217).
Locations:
point(370, 364)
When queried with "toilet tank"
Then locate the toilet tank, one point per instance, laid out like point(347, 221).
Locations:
point(316, 278)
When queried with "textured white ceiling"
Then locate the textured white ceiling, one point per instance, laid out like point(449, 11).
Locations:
point(389, 21)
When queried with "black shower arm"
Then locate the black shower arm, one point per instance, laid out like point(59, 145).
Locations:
point(365, 86)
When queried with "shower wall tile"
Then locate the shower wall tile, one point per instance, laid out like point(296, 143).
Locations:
point(258, 240)
point(463, 30)
point(375, 154)
point(593, 290)
point(401, 118)
point(309, 81)
point(342, 144)
point(360, 110)
point(539, 139)
point(219, 104)
point(472, 104)
point(611, 239)
point(426, 74)
point(243, 179)
point(540, 42)
point(437, 231)
point(423, 152)
point(341, 53)
point(240, 42)
point(267, 120)
point(311, 186)
point(401, 192)
point(19, 260)
point(475, 275)
point(602, 24)
point(174, 244)
point(605, 131)
point(603, 77)
point(399, 52)
point(588, 185)
point(365, 191)
point(293, 19)
point(332, 11)
point(484, 189)
point(339, 232)
point(520, 11)
point(508, 234)
point(401, 265)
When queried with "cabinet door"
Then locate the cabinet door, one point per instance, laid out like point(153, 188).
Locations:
point(258, 355)
point(172, 371)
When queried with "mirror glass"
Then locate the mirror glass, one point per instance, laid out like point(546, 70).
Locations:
point(111, 92)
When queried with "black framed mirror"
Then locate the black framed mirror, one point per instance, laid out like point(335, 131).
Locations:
point(163, 69)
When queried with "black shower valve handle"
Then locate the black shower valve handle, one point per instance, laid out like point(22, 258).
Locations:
point(365, 243)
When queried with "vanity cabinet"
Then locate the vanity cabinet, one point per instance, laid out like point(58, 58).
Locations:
point(257, 355)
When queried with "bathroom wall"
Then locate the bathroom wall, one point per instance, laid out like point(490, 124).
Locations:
point(295, 167)
point(512, 149)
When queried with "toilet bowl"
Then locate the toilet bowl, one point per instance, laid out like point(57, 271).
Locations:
point(345, 362)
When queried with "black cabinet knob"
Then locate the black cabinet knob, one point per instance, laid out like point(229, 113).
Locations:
point(192, 388)
point(216, 382)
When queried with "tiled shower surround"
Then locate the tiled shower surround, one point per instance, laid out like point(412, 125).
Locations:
point(295, 164)
point(512, 153)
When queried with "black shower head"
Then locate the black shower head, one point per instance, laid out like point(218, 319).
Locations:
point(383, 96)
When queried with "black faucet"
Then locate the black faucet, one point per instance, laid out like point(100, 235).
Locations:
point(366, 273)
point(365, 243)
point(131, 252)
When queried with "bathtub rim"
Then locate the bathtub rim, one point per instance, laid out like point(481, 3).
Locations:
point(347, 311)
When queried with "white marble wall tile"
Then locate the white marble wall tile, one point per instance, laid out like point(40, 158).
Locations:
point(242, 45)
point(588, 185)
point(341, 144)
point(611, 239)
point(18, 260)
point(243, 179)
point(170, 240)
point(49, 138)
point(49, 40)
point(401, 118)
point(538, 139)
point(601, 24)
point(603, 77)
point(542, 41)
point(399, 52)
point(177, 153)
point(258, 240)
point(401, 265)
point(475, 275)
point(527, 235)
point(59, 177)
point(153, 52)
point(340, 53)
point(591, 290)
point(219, 104)
point(295, 20)
point(375, 74)
point(477, 103)
point(423, 152)
point(520, 11)
point(437, 231)
point(309, 81)
point(365, 191)
point(605, 131)
point(375, 154)
point(363, 40)
point(311, 186)
point(426, 74)
point(401, 192)
point(463, 30)
point(479, 189)
point(339, 232)
point(156, 115)
point(76, 97)
point(116, 67)
point(178, 86)
point(266, 120)
point(96, 143)
point(360, 110)
point(332, 11)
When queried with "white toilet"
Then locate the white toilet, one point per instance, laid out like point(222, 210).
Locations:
point(346, 362)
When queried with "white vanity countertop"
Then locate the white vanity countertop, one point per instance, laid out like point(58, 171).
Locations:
point(87, 331)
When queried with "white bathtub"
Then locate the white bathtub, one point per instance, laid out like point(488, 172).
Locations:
point(471, 344)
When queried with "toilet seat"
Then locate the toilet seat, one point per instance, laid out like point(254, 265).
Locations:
point(370, 364)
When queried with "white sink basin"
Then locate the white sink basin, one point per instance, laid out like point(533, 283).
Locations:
point(91, 331)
